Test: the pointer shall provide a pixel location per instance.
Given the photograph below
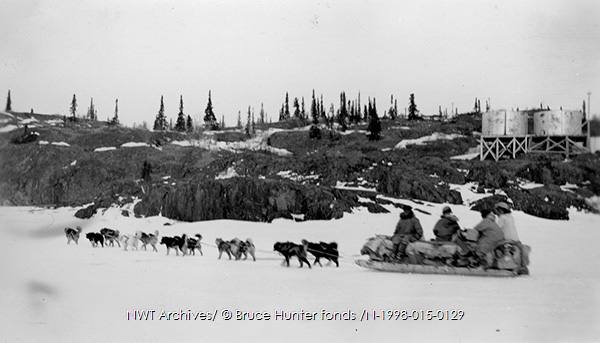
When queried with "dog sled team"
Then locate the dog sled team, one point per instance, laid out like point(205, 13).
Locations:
point(492, 244)
point(188, 245)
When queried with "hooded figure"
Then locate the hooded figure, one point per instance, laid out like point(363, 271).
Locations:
point(446, 226)
point(506, 221)
point(490, 233)
point(407, 230)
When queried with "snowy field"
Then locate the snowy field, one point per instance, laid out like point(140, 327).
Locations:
point(54, 292)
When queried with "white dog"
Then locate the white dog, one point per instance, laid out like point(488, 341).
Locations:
point(129, 241)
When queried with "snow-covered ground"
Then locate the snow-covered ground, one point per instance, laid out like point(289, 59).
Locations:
point(8, 128)
point(257, 143)
point(54, 292)
point(426, 139)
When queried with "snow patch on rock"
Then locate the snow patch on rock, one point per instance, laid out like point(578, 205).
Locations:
point(426, 139)
point(8, 128)
point(108, 148)
point(134, 145)
point(227, 174)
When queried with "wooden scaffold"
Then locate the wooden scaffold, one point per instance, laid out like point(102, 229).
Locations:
point(498, 146)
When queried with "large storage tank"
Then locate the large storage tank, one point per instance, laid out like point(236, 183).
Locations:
point(504, 123)
point(557, 123)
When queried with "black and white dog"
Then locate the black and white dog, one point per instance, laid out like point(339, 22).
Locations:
point(247, 248)
point(194, 243)
point(110, 236)
point(177, 243)
point(223, 247)
point(148, 239)
point(289, 249)
point(95, 238)
point(73, 234)
point(324, 250)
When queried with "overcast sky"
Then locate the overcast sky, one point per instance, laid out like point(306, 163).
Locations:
point(518, 53)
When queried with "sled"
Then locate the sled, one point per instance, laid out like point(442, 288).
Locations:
point(510, 258)
point(427, 269)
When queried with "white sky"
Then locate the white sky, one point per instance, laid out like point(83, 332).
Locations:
point(518, 53)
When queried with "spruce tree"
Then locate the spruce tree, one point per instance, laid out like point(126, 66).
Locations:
point(302, 112)
point(391, 111)
point(92, 114)
point(210, 121)
point(180, 124)
point(73, 108)
point(248, 123)
point(189, 124)
point(282, 113)
point(115, 119)
point(296, 108)
point(160, 122)
point(8, 102)
point(262, 114)
point(322, 108)
point(239, 121)
point(358, 114)
point(413, 112)
point(313, 109)
point(374, 127)
point(286, 109)
point(343, 112)
point(374, 107)
point(222, 126)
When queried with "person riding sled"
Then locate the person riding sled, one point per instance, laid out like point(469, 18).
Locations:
point(490, 235)
point(506, 222)
point(408, 229)
point(446, 226)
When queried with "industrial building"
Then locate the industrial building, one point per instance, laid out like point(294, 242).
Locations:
point(507, 133)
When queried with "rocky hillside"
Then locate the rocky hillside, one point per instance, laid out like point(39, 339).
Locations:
point(280, 172)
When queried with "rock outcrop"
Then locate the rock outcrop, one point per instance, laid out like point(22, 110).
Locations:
point(245, 199)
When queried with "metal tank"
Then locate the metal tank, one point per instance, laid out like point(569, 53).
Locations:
point(557, 123)
point(504, 123)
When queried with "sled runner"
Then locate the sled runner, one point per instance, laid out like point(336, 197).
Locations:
point(425, 269)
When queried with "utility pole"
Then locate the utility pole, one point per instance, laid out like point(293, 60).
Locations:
point(589, 122)
point(588, 106)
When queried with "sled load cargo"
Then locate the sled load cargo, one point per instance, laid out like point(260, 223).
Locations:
point(458, 257)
